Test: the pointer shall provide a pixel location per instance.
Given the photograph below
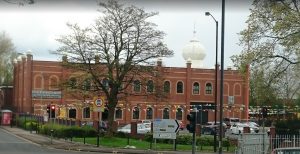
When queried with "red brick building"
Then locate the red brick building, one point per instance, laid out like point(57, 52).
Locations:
point(36, 86)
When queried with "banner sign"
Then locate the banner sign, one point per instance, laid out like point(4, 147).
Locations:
point(46, 94)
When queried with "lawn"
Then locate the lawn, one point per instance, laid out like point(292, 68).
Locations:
point(116, 142)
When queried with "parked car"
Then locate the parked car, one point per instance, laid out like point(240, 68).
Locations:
point(209, 129)
point(289, 150)
point(253, 125)
point(210, 123)
point(238, 128)
point(141, 129)
point(146, 123)
point(102, 125)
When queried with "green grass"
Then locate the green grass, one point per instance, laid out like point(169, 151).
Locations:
point(115, 142)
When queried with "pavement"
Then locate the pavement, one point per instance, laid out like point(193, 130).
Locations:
point(43, 140)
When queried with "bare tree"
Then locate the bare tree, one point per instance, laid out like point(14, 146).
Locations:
point(122, 45)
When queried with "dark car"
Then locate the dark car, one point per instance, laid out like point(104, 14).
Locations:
point(209, 130)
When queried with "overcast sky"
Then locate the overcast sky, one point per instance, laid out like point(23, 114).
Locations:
point(35, 27)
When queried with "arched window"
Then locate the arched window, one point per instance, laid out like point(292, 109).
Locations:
point(105, 83)
point(179, 113)
point(167, 87)
point(135, 113)
point(179, 87)
point(86, 112)
point(72, 113)
point(208, 88)
point(105, 114)
point(166, 113)
point(86, 85)
point(38, 82)
point(196, 88)
point(149, 113)
point(237, 89)
point(53, 82)
point(136, 86)
point(118, 113)
point(72, 83)
point(150, 86)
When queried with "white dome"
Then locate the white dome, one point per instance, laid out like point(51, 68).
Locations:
point(194, 50)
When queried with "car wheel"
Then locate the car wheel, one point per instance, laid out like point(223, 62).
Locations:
point(239, 132)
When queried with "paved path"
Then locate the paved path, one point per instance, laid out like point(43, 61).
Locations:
point(68, 145)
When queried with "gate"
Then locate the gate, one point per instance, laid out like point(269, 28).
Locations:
point(253, 143)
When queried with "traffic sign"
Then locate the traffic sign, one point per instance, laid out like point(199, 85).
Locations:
point(98, 104)
point(165, 126)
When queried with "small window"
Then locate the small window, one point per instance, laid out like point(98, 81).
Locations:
point(136, 86)
point(150, 86)
point(166, 113)
point(119, 113)
point(149, 113)
point(208, 88)
point(179, 87)
point(167, 87)
point(196, 88)
point(135, 113)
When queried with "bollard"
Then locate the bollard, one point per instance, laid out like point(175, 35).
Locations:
point(51, 137)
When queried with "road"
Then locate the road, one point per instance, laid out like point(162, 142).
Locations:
point(11, 144)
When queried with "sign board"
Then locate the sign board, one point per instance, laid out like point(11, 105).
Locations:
point(44, 94)
point(165, 128)
point(164, 135)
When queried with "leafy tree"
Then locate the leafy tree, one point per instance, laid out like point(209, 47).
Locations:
point(7, 54)
point(271, 44)
point(120, 46)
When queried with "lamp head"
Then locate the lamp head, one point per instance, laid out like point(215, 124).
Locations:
point(207, 13)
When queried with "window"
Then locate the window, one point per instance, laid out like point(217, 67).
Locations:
point(38, 82)
point(86, 85)
point(136, 86)
point(179, 114)
point(150, 86)
point(149, 113)
point(118, 113)
point(72, 113)
point(135, 113)
point(179, 87)
point(72, 83)
point(196, 88)
point(86, 112)
point(105, 83)
point(208, 88)
point(167, 87)
point(53, 83)
point(166, 113)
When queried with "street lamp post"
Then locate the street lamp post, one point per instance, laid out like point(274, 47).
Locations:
point(216, 79)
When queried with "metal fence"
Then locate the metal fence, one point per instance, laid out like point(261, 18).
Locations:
point(262, 143)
